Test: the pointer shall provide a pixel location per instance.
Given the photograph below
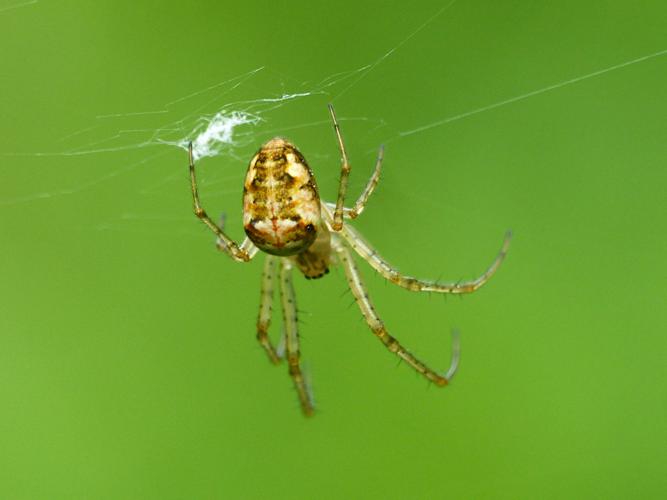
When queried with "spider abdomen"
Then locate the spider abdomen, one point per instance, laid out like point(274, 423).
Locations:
point(281, 204)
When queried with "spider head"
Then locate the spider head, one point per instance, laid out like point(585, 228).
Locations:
point(281, 204)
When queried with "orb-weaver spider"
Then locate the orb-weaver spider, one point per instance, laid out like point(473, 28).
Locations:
point(284, 217)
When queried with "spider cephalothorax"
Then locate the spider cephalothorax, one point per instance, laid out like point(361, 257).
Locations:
point(284, 217)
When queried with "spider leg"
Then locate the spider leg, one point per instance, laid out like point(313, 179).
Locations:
point(390, 273)
point(246, 246)
point(340, 210)
point(242, 253)
point(377, 326)
point(354, 212)
point(265, 306)
point(288, 298)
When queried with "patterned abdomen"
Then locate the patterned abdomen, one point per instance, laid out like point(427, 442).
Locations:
point(281, 205)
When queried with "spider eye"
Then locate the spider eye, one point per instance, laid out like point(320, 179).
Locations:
point(310, 228)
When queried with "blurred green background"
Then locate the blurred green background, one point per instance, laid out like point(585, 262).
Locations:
point(128, 364)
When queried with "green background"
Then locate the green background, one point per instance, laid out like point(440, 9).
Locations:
point(128, 364)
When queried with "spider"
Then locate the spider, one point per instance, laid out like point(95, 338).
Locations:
point(284, 217)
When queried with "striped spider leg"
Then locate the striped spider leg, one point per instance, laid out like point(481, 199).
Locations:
point(339, 210)
point(354, 239)
point(335, 215)
point(288, 299)
point(390, 273)
point(283, 267)
point(240, 253)
point(376, 324)
point(265, 308)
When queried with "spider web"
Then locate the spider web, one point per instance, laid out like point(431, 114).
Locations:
point(230, 118)
point(16, 5)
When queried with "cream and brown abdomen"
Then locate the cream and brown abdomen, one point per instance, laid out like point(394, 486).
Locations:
point(281, 204)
